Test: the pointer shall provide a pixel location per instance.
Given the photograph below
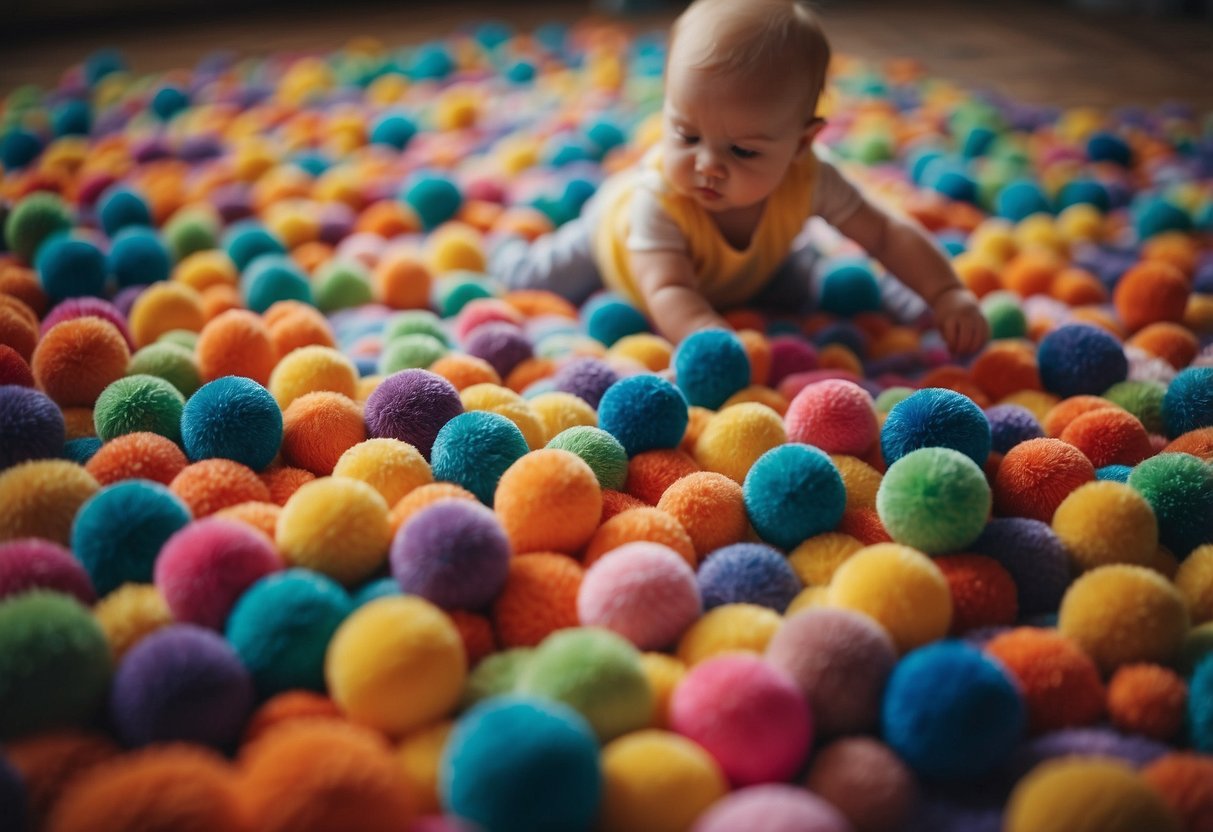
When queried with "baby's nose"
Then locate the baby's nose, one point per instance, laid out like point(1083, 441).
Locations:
point(710, 164)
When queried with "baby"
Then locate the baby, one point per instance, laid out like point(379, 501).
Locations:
point(713, 215)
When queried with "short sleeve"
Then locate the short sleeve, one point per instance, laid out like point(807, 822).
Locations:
point(835, 198)
point(650, 227)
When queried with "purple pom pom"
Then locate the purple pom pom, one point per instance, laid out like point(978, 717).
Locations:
point(586, 378)
point(453, 553)
point(790, 355)
point(31, 426)
point(1033, 555)
point(501, 344)
point(412, 406)
point(1011, 424)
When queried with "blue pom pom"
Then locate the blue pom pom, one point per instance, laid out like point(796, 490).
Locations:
point(394, 130)
point(70, 268)
point(540, 756)
point(1115, 473)
point(849, 288)
point(1188, 403)
point(1200, 706)
point(606, 134)
point(281, 627)
point(1108, 147)
point(81, 450)
point(520, 72)
point(1083, 192)
point(31, 425)
point(952, 713)
point(474, 449)
point(435, 198)
point(168, 101)
point(957, 186)
point(1021, 199)
point(920, 163)
point(138, 256)
point(103, 62)
point(18, 148)
point(793, 492)
point(271, 278)
point(431, 61)
point(119, 531)
point(247, 240)
point(935, 417)
point(977, 142)
point(1080, 359)
point(644, 412)
point(374, 590)
point(748, 573)
point(612, 319)
point(710, 366)
point(493, 33)
point(121, 207)
point(1155, 215)
point(72, 118)
point(232, 417)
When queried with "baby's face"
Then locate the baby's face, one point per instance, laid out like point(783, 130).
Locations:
point(727, 143)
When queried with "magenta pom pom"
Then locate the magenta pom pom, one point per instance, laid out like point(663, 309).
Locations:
point(772, 808)
point(790, 355)
point(88, 307)
point(31, 563)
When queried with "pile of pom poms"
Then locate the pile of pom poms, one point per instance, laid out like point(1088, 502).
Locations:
point(307, 524)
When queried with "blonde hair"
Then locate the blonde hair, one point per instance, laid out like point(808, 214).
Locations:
point(765, 38)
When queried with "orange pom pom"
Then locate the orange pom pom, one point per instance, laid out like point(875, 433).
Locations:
point(293, 325)
point(1171, 342)
point(48, 762)
point(523, 221)
point(548, 501)
point(477, 634)
point(1151, 292)
point(1185, 781)
point(1147, 699)
point(863, 524)
point(463, 371)
point(977, 275)
point(709, 507)
point(983, 592)
point(1060, 682)
point(1197, 442)
point(261, 516)
point(529, 371)
point(1031, 272)
point(236, 343)
point(140, 455)
point(1078, 287)
point(1036, 476)
point(77, 359)
point(533, 303)
point(22, 284)
point(283, 481)
point(422, 496)
point(1006, 367)
point(317, 428)
point(387, 218)
point(287, 706)
point(951, 377)
point(18, 326)
point(219, 299)
point(212, 484)
point(650, 473)
point(539, 598)
point(401, 281)
point(1061, 414)
point(1109, 437)
point(637, 524)
point(617, 502)
point(758, 350)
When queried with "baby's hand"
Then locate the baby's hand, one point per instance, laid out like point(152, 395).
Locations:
point(960, 321)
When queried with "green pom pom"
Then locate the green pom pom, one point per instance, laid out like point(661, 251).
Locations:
point(54, 664)
point(1143, 399)
point(890, 397)
point(496, 675)
point(169, 361)
point(342, 286)
point(190, 230)
point(601, 451)
point(32, 220)
point(414, 351)
point(181, 337)
point(934, 499)
point(415, 321)
point(138, 403)
point(1005, 316)
point(597, 673)
point(1179, 487)
point(460, 289)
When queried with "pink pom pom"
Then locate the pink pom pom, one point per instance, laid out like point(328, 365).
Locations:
point(836, 416)
point(31, 563)
point(482, 311)
point(773, 808)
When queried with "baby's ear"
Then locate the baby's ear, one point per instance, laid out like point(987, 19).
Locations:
point(811, 129)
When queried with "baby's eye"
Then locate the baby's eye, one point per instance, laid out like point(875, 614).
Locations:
point(688, 139)
point(742, 153)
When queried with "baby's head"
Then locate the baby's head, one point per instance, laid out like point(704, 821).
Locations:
point(742, 82)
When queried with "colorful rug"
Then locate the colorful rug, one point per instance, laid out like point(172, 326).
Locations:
point(308, 525)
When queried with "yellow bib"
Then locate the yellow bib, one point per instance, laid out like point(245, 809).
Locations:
point(727, 276)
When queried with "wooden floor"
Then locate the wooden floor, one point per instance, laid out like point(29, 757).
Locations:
point(1037, 52)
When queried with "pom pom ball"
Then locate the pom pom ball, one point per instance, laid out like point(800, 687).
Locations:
point(1011, 425)
point(137, 256)
point(310, 369)
point(549, 500)
point(637, 524)
point(412, 406)
point(1185, 782)
point(1123, 614)
point(657, 782)
point(736, 437)
point(1151, 292)
point(865, 781)
point(711, 365)
point(69, 267)
point(1060, 683)
point(281, 626)
point(643, 591)
point(748, 573)
point(30, 563)
point(589, 379)
point(171, 362)
point(162, 308)
point(31, 426)
point(181, 683)
point(120, 207)
point(453, 553)
point(935, 417)
point(337, 526)
point(1078, 359)
point(435, 198)
point(139, 455)
point(1147, 699)
point(597, 673)
point(119, 532)
point(396, 664)
point(542, 756)
point(983, 593)
point(76, 360)
point(934, 499)
point(1085, 795)
point(540, 597)
point(793, 493)
point(1037, 475)
point(1109, 436)
point(1188, 403)
point(599, 449)
point(749, 715)
point(232, 418)
point(612, 320)
point(841, 661)
point(474, 449)
point(1179, 488)
point(34, 219)
point(835, 415)
point(644, 413)
point(139, 403)
point(710, 507)
point(1106, 522)
point(900, 588)
point(318, 428)
point(392, 467)
point(236, 342)
point(774, 808)
point(40, 498)
point(214, 484)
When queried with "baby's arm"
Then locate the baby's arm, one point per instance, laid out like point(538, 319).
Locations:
point(905, 250)
point(666, 281)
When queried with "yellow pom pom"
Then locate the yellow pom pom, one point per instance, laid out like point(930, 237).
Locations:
point(862, 481)
point(396, 664)
point(1124, 614)
point(650, 351)
point(163, 307)
point(387, 89)
point(40, 498)
point(1195, 583)
point(1081, 223)
point(419, 755)
point(899, 587)
point(812, 597)
point(516, 155)
point(735, 437)
point(664, 672)
point(309, 369)
point(559, 411)
point(457, 109)
point(1198, 315)
point(1037, 401)
point(455, 246)
point(1039, 231)
point(759, 394)
point(817, 559)
point(656, 781)
point(129, 613)
point(391, 466)
point(294, 221)
point(1106, 522)
point(731, 627)
point(505, 402)
point(336, 526)
point(994, 241)
point(1078, 794)
point(204, 269)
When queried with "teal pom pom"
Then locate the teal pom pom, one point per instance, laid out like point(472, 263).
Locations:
point(121, 208)
point(168, 101)
point(935, 417)
point(394, 130)
point(935, 500)
point(601, 451)
point(1188, 403)
point(138, 257)
point(233, 418)
point(644, 412)
point(245, 241)
point(474, 449)
point(793, 492)
point(458, 290)
point(70, 268)
point(1155, 215)
point(138, 403)
point(1021, 199)
point(435, 198)
point(849, 288)
point(612, 319)
point(710, 366)
point(271, 278)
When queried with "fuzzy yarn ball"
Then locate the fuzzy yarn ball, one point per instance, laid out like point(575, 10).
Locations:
point(604, 453)
point(643, 591)
point(336, 526)
point(835, 415)
point(958, 731)
point(900, 588)
point(746, 628)
point(748, 573)
point(793, 492)
point(31, 426)
point(983, 593)
point(710, 507)
point(841, 661)
point(412, 406)
point(548, 501)
point(1036, 476)
point(644, 413)
point(396, 664)
point(392, 467)
point(1085, 795)
point(233, 418)
point(139, 403)
point(1110, 436)
point(453, 553)
point(1011, 425)
point(1149, 700)
point(29, 563)
point(474, 449)
point(656, 781)
point(169, 361)
point(280, 628)
point(1105, 522)
point(542, 755)
point(774, 807)
point(1060, 683)
point(864, 780)
point(317, 428)
point(1077, 359)
point(40, 498)
point(1188, 403)
point(711, 365)
point(540, 597)
point(749, 715)
point(934, 499)
point(215, 484)
point(76, 360)
point(1194, 580)
point(236, 343)
point(1185, 781)
point(935, 417)
point(735, 438)
point(309, 369)
point(1179, 488)
point(504, 346)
